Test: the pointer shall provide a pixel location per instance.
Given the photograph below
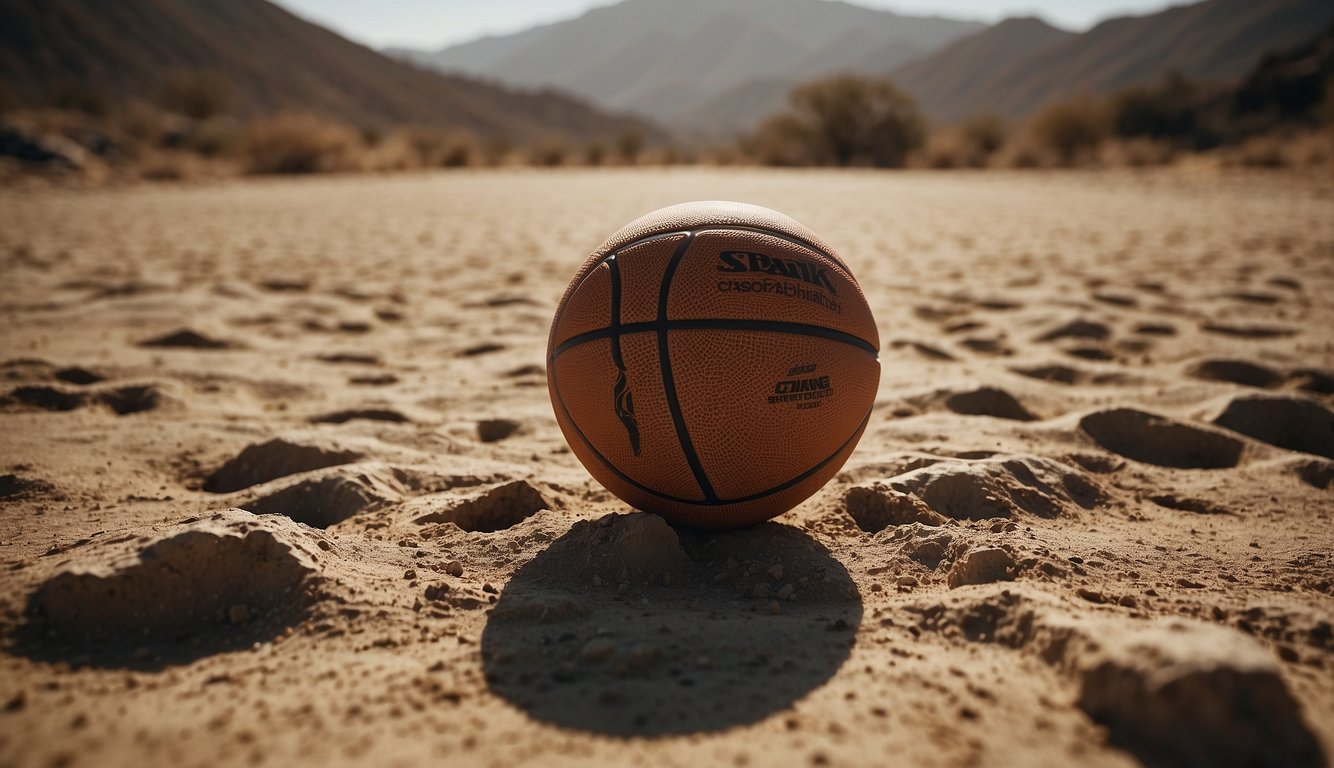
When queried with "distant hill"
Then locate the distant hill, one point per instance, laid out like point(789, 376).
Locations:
point(950, 83)
point(1018, 66)
point(123, 49)
point(670, 60)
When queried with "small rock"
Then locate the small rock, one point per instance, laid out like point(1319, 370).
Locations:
point(409, 575)
point(907, 582)
point(776, 571)
point(761, 591)
point(785, 592)
point(454, 568)
point(238, 614)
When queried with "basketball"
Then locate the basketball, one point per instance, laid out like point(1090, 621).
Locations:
point(714, 363)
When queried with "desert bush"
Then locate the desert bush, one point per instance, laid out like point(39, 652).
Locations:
point(985, 133)
point(629, 144)
point(1070, 130)
point(549, 153)
point(842, 120)
point(595, 153)
point(300, 143)
point(9, 101)
point(79, 97)
point(438, 148)
point(1168, 111)
point(218, 136)
point(1135, 153)
point(197, 95)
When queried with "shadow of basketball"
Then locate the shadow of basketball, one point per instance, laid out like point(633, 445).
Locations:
point(626, 627)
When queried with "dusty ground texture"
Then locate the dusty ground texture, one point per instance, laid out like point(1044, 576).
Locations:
point(280, 484)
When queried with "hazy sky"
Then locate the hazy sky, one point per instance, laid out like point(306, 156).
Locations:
point(435, 23)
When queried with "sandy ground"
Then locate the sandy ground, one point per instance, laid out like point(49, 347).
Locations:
point(1090, 521)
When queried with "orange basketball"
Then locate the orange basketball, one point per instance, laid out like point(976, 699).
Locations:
point(714, 363)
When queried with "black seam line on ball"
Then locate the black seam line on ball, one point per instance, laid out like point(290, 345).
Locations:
point(605, 462)
point(669, 383)
point(721, 324)
point(614, 331)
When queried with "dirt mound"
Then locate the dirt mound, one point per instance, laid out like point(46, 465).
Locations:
point(494, 509)
point(1196, 694)
point(221, 584)
point(988, 401)
point(980, 489)
point(1287, 422)
point(186, 339)
point(1172, 692)
point(1237, 372)
point(262, 462)
point(1154, 439)
point(367, 414)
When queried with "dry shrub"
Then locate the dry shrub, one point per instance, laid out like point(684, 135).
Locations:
point(1022, 152)
point(1311, 150)
point(1070, 130)
point(629, 144)
point(218, 136)
point(842, 120)
point(549, 153)
point(437, 148)
point(595, 153)
point(301, 143)
point(1136, 153)
point(168, 166)
point(197, 95)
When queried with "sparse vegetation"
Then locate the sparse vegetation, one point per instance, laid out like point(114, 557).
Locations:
point(842, 120)
point(196, 95)
point(301, 143)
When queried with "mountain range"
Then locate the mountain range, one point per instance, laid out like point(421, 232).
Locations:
point(123, 50)
point(667, 60)
point(717, 67)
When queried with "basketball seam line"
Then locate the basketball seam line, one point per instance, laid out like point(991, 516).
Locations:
point(669, 383)
point(718, 324)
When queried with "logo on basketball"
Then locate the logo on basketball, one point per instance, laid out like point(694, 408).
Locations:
point(745, 261)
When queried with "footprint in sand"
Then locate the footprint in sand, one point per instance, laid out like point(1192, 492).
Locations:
point(1077, 329)
point(186, 339)
point(122, 400)
point(1294, 423)
point(989, 401)
point(1154, 439)
point(1237, 372)
point(494, 430)
point(365, 414)
point(494, 509)
point(262, 462)
point(1249, 331)
point(321, 502)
